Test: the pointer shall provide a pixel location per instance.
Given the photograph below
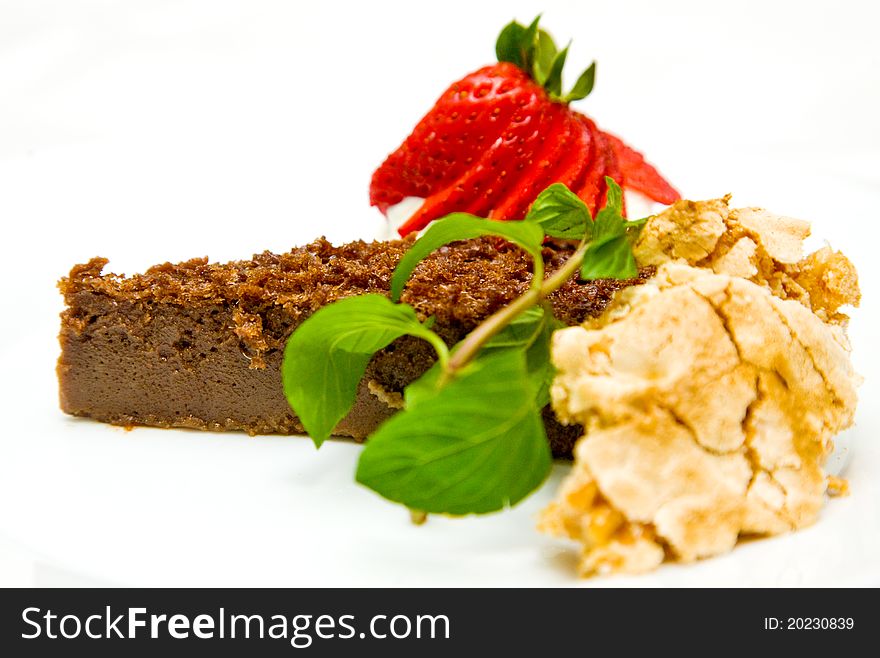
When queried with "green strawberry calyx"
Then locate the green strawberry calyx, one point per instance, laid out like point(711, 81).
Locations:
point(534, 51)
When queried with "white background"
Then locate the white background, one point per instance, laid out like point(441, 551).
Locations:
point(152, 131)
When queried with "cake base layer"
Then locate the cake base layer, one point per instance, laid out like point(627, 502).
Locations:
point(199, 345)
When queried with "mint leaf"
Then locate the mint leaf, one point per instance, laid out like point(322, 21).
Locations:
point(609, 254)
point(476, 446)
point(424, 388)
point(531, 332)
point(561, 213)
point(539, 365)
point(520, 333)
point(583, 86)
point(634, 228)
point(461, 226)
point(611, 259)
point(327, 355)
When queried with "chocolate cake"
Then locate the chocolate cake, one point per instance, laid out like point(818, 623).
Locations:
point(199, 345)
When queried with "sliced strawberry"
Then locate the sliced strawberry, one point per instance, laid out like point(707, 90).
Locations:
point(466, 120)
point(570, 162)
point(519, 189)
point(639, 175)
point(545, 126)
point(592, 185)
point(573, 172)
point(473, 190)
point(497, 138)
point(612, 170)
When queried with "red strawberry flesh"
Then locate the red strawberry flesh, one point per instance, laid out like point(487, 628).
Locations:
point(640, 176)
point(493, 141)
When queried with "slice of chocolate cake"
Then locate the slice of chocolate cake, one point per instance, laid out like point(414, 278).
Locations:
point(199, 345)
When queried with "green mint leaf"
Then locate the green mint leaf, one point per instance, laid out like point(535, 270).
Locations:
point(327, 355)
point(539, 365)
point(476, 446)
point(610, 222)
point(545, 53)
point(508, 48)
point(609, 259)
point(634, 228)
point(531, 332)
point(561, 213)
point(609, 254)
point(613, 196)
point(583, 86)
point(553, 83)
point(461, 226)
point(520, 333)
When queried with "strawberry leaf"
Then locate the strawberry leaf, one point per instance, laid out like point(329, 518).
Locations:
point(508, 48)
point(533, 50)
point(462, 226)
point(553, 83)
point(583, 86)
point(545, 53)
point(529, 43)
point(516, 44)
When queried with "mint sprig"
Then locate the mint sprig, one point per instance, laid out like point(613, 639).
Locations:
point(609, 254)
point(476, 446)
point(470, 439)
point(534, 51)
point(561, 214)
point(530, 333)
point(326, 357)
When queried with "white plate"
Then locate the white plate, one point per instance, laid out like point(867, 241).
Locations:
point(88, 503)
point(95, 504)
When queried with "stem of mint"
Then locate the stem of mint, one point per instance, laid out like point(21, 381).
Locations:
point(474, 342)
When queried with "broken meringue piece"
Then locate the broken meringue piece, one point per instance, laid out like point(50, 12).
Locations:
point(709, 395)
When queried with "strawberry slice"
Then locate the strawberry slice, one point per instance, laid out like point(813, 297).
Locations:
point(544, 129)
point(567, 168)
point(474, 190)
point(522, 188)
point(640, 176)
point(612, 170)
point(592, 185)
point(466, 120)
